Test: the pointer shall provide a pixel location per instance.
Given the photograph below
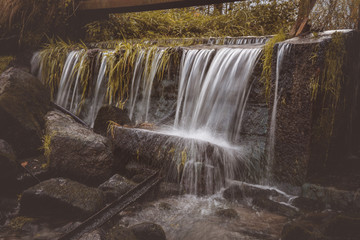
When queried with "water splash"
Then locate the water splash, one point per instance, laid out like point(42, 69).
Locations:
point(213, 91)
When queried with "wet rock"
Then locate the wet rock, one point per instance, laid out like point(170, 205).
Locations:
point(135, 168)
point(116, 186)
point(120, 232)
point(308, 204)
point(234, 192)
point(165, 206)
point(341, 226)
point(94, 235)
point(8, 164)
point(325, 225)
point(167, 189)
point(255, 120)
point(227, 213)
point(148, 231)
point(24, 101)
point(110, 113)
point(276, 207)
point(296, 232)
point(332, 197)
point(62, 198)
point(138, 178)
point(76, 151)
point(238, 191)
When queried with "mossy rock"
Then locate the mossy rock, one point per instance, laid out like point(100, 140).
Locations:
point(110, 113)
point(60, 197)
point(76, 152)
point(24, 102)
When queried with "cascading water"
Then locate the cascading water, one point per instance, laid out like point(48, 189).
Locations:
point(213, 91)
point(283, 50)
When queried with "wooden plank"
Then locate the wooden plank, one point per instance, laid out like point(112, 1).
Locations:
point(113, 6)
point(104, 4)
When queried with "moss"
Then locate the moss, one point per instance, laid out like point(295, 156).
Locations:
point(267, 61)
point(46, 147)
point(4, 62)
point(18, 222)
point(326, 88)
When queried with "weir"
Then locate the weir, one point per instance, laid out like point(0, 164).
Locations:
point(207, 102)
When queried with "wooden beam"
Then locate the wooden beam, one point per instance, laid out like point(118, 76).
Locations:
point(306, 7)
point(122, 6)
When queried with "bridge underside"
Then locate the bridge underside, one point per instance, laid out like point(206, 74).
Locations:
point(122, 6)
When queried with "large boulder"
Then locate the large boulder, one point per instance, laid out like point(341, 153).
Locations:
point(76, 151)
point(8, 165)
point(62, 198)
point(24, 101)
point(120, 232)
point(110, 113)
point(116, 186)
point(148, 231)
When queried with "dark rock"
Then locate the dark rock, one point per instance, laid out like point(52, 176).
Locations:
point(276, 207)
point(140, 177)
point(345, 227)
point(62, 198)
point(135, 168)
point(238, 191)
point(296, 232)
point(148, 231)
point(8, 164)
point(76, 151)
point(24, 101)
point(227, 213)
point(9, 44)
point(324, 225)
point(120, 232)
point(308, 204)
point(110, 113)
point(165, 206)
point(234, 192)
point(116, 186)
point(332, 197)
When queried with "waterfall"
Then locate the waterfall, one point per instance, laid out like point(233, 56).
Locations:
point(213, 91)
point(283, 49)
point(212, 97)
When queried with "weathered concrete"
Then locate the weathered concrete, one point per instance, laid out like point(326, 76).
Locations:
point(304, 141)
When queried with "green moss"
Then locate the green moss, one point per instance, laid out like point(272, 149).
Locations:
point(267, 60)
point(46, 147)
point(53, 57)
point(326, 87)
point(18, 222)
point(329, 82)
point(4, 62)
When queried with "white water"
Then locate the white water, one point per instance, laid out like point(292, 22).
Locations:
point(212, 95)
point(283, 49)
point(100, 90)
point(214, 86)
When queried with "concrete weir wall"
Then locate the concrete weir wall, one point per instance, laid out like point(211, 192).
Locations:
point(318, 120)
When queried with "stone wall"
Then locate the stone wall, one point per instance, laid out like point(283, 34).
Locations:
point(310, 137)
